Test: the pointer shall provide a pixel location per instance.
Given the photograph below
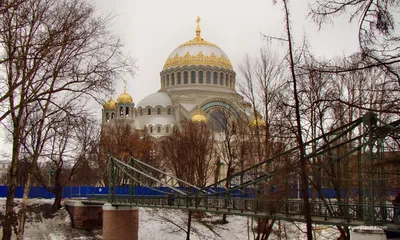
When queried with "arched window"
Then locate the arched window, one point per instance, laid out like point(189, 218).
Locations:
point(215, 78)
point(151, 129)
point(226, 79)
point(169, 111)
point(158, 129)
point(185, 77)
point(218, 120)
point(179, 77)
point(200, 76)
point(208, 77)
point(107, 117)
point(173, 79)
point(158, 111)
point(167, 79)
point(141, 112)
point(166, 129)
point(149, 111)
point(112, 116)
point(121, 111)
point(127, 111)
point(193, 77)
point(221, 79)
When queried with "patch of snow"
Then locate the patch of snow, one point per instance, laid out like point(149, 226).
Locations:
point(167, 224)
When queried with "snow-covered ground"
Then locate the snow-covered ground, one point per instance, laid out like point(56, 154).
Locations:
point(163, 224)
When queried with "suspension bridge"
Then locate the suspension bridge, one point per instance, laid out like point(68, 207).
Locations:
point(359, 162)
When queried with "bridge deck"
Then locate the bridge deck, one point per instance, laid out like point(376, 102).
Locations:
point(343, 215)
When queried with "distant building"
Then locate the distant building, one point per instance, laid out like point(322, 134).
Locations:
point(196, 82)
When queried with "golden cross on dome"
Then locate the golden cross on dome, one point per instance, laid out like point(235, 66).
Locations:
point(198, 28)
point(124, 86)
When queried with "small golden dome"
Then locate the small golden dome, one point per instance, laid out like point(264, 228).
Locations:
point(124, 98)
point(109, 105)
point(257, 121)
point(199, 117)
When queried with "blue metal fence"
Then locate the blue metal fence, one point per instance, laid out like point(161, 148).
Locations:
point(87, 191)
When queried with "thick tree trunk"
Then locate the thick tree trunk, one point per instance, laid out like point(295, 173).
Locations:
point(9, 213)
point(10, 218)
point(27, 186)
point(57, 201)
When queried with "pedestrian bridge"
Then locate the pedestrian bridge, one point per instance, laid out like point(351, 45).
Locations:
point(264, 189)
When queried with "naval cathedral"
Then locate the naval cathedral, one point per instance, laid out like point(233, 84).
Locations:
point(197, 80)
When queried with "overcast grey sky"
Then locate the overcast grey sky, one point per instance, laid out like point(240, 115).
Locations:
point(152, 29)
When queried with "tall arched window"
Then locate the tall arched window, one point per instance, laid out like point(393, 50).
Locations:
point(173, 79)
point(149, 111)
point(151, 129)
point(185, 77)
point(141, 112)
point(167, 79)
point(226, 79)
point(166, 129)
point(208, 77)
point(127, 111)
point(107, 117)
point(215, 78)
point(158, 111)
point(121, 111)
point(112, 116)
point(193, 77)
point(200, 76)
point(169, 111)
point(179, 77)
point(158, 129)
point(221, 79)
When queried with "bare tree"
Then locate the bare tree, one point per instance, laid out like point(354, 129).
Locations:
point(54, 52)
point(122, 141)
point(188, 152)
point(377, 34)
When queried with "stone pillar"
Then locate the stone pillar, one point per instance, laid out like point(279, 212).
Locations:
point(84, 216)
point(367, 233)
point(120, 222)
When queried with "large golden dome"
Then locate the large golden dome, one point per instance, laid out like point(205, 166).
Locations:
point(198, 52)
point(199, 117)
point(124, 98)
point(109, 105)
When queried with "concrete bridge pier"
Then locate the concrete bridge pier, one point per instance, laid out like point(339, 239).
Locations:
point(120, 222)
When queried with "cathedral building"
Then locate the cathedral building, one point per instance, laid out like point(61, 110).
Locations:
point(197, 80)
